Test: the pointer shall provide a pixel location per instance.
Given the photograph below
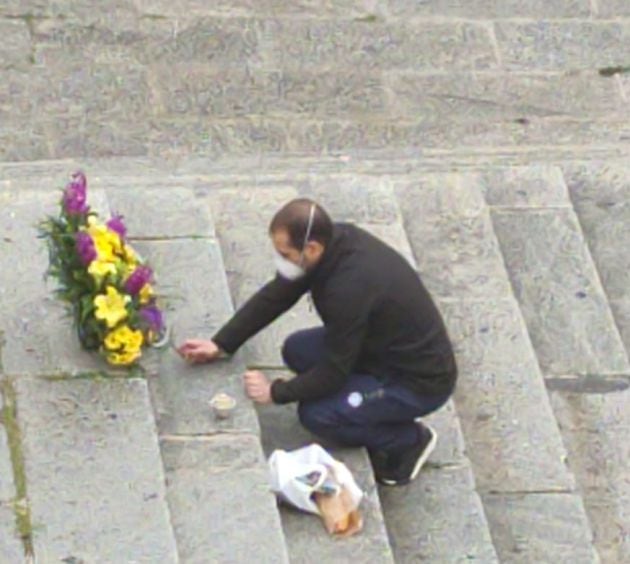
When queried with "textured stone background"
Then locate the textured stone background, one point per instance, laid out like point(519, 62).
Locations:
point(136, 77)
point(486, 140)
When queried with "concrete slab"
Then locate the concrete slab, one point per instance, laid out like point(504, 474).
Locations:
point(528, 186)
point(601, 196)
point(329, 44)
point(451, 235)
point(561, 297)
point(162, 214)
point(217, 489)
point(484, 9)
point(93, 443)
point(595, 427)
point(501, 398)
point(562, 45)
point(542, 527)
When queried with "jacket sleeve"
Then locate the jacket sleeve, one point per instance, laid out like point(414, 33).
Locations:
point(273, 299)
point(345, 331)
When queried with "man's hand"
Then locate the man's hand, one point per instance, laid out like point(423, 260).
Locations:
point(257, 386)
point(197, 351)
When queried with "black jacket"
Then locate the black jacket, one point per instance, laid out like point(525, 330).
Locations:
point(379, 319)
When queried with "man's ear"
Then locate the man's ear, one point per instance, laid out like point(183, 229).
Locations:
point(314, 249)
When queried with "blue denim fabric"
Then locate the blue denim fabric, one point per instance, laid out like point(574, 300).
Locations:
point(377, 413)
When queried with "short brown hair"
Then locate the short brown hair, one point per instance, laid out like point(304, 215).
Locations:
point(293, 218)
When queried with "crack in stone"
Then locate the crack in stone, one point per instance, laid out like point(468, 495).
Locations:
point(534, 110)
point(21, 506)
point(589, 384)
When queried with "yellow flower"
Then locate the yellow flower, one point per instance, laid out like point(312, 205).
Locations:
point(130, 257)
point(123, 358)
point(98, 269)
point(107, 242)
point(146, 293)
point(124, 337)
point(111, 307)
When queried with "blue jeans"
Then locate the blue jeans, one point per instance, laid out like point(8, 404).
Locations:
point(376, 413)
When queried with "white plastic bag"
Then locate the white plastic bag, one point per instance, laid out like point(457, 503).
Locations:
point(288, 470)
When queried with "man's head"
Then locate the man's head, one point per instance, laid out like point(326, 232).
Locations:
point(300, 233)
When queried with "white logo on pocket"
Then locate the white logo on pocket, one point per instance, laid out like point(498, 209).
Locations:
point(355, 399)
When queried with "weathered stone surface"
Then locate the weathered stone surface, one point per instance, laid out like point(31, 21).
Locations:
point(484, 9)
point(329, 44)
point(80, 136)
point(197, 304)
point(161, 214)
point(613, 9)
point(540, 528)
point(355, 198)
point(105, 91)
point(197, 90)
point(528, 186)
point(502, 401)
point(217, 488)
point(93, 443)
point(394, 235)
point(181, 396)
point(22, 142)
point(595, 428)
point(15, 50)
point(601, 196)
point(480, 97)
point(11, 548)
point(39, 337)
point(22, 7)
point(307, 540)
point(216, 42)
point(337, 8)
point(563, 45)
point(438, 518)
point(242, 222)
point(452, 238)
point(563, 303)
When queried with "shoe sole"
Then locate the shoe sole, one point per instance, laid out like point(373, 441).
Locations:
point(419, 464)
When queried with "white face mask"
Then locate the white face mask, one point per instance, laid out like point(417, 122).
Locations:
point(285, 267)
point(288, 269)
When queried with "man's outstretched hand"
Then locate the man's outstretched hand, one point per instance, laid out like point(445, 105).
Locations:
point(257, 386)
point(197, 351)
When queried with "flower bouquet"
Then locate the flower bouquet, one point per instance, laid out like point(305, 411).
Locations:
point(104, 282)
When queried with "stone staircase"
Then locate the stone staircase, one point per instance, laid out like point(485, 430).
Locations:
point(527, 264)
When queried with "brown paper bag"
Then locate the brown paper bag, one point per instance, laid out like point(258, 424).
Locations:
point(340, 517)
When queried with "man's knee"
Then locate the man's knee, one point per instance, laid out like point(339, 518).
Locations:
point(313, 417)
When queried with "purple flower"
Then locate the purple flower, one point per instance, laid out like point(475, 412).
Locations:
point(139, 277)
point(75, 195)
point(153, 318)
point(85, 248)
point(116, 224)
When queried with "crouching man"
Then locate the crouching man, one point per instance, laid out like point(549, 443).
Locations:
point(382, 359)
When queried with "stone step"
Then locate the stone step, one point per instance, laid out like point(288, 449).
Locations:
point(217, 482)
point(440, 516)
point(569, 319)
point(242, 221)
point(512, 437)
point(462, 531)
point(90, 434)
point(147, 172)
